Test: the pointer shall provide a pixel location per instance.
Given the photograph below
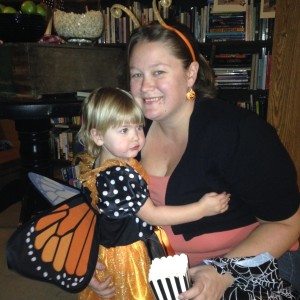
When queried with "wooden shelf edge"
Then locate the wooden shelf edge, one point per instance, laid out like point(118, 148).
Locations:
point(9, 155)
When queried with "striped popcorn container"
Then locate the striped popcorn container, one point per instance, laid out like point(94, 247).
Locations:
point(168, 277)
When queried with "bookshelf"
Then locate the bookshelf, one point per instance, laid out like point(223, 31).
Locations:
point(63, 141)
point(227, 33)
point(248, 89)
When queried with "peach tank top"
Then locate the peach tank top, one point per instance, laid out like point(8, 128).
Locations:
point(205, 246)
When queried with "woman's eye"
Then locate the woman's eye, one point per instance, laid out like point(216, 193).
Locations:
point(136, 75)
point(157, 73)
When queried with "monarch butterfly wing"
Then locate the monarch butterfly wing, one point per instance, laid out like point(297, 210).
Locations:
point(59, 246)
point(54, 191)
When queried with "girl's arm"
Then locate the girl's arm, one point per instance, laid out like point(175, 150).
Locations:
point(210, 204)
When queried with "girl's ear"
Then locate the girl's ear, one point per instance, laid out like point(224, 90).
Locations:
point(97, 137)
point(192, 73)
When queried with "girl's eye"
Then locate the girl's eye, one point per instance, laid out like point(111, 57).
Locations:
point(140, 127)
point(124, 130)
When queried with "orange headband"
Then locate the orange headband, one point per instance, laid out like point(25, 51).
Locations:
point(116, 11)
point(167, 3)
point(182, 36)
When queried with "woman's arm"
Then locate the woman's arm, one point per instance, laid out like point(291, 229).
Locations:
point(207, 284)
point(273, 237)
point(210, 204)
point(104, 289)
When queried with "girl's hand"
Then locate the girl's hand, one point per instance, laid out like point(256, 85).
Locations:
point(207, 284)
point(213, 203)
point(103, 289)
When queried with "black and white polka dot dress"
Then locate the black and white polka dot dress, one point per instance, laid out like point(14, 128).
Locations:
point(122, 191)
point(118, 189)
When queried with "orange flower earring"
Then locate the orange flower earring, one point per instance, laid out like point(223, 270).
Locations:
point(190, 95)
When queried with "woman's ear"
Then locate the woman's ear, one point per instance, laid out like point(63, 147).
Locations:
point(192, 73)
point(97, 137)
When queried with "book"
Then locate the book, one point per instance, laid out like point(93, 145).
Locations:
point(83, 93)
point(227, 29)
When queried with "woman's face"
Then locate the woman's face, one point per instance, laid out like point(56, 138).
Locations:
point(158, 81)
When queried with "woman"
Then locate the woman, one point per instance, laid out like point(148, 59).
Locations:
point(196, 144)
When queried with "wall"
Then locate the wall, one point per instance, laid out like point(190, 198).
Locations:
point(284, 97)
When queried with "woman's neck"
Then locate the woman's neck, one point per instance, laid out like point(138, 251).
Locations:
point(174, 131)
point(176, 125)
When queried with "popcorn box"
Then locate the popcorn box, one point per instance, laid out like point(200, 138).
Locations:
point(168, 277)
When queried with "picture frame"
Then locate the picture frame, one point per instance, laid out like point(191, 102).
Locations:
point(229, 6)
point(267, 9)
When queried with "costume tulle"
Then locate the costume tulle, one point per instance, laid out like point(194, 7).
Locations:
point(118, 189)
point(128, 267)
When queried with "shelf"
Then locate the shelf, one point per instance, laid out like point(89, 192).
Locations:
point(34, 69)
point(209, 49)
point(235, 95)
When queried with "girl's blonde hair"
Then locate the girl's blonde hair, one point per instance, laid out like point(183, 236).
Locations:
point(106, 108)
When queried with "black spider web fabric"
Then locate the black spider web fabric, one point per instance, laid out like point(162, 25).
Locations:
point(255, 278)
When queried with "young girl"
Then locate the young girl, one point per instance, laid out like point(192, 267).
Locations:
point(112, 134)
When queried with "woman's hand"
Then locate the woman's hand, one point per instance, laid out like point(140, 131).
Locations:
point(103, 289)
point(207, 284)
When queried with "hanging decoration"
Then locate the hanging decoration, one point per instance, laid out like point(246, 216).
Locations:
point(116, 11)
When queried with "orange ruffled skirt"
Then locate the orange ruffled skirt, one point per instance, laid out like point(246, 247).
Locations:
point(128, 267)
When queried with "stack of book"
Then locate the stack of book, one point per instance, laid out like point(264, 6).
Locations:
point(63, 137)
point(70, 175)
point(225, 27)
point(261, 69)
point(232, 71)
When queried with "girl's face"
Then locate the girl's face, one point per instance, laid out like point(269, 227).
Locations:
point(122, 142)
point(158, 81)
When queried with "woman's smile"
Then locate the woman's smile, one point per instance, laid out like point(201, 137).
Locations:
point(154, 99)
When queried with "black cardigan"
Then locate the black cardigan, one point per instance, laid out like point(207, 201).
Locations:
point(233, 150)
